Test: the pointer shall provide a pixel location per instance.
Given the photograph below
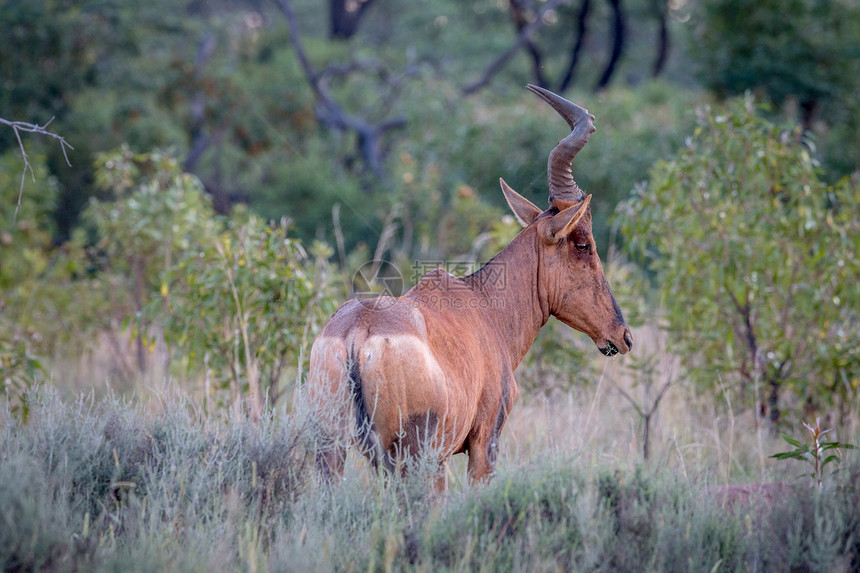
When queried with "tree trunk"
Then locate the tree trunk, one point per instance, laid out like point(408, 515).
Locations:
point(345, 16)
point(773, 403)
point(581, 31)
point(662, 38)
point(645, 435)
point(808, 107)
point(618, 36)
point(519, 17)
point(137, 266)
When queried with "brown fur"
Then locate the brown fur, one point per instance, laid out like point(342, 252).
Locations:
point(435, 368)
point(446, 351)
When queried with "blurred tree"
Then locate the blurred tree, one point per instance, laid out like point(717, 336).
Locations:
point(521, 17)
point(157, 214)
point(221, 84)
point(528, 19)
point(576, 49)
point(756, 260)
point(329, 112)
point(542, 27)
point(24, 242)
point(95, 66)
point(50, 51)
point(34, 280)
point(805, 50)
point(25, 233)
point(661, 9)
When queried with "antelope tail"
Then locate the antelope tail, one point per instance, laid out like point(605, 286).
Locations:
point(365, 431)
point(363, 423)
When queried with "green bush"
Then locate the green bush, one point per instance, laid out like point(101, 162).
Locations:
point(26, 231)
point(156, 215)
point(25, 245)
point(245, 307)
point(522, 521)
point(756, 260)
point(93, 484)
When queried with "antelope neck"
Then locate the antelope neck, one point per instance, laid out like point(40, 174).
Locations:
point(517, 307)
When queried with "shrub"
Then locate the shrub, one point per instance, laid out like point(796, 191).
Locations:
point(755, 258)
point(151, 484)
point(245, 307)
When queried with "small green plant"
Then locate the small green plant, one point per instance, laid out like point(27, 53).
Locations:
point(815, 451)
point(19, 369)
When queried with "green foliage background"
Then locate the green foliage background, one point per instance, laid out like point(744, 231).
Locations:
point(214, 216)
point(195, 126)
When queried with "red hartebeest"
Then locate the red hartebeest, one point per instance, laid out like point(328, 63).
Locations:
point(435, 367)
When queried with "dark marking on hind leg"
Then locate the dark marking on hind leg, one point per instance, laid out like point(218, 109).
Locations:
point(493, 444)
point(501, 417)
point(416, 434)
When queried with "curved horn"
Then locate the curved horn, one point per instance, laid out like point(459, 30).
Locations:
point(561, 183)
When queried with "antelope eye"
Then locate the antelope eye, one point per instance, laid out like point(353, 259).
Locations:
point(583, 247)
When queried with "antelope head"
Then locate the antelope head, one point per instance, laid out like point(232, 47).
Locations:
point(570, 280)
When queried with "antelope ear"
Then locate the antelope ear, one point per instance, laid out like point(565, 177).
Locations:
point(524, 210)
point(565, 222)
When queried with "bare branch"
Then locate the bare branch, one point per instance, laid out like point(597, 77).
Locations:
point(329, 111)
point(18, 127)
point(656, 403)
point(522, 39)
point(333, 70)
point(648, 408)
point(652, 407)
point(295, 39)
point(40, 129)
point(632, 402)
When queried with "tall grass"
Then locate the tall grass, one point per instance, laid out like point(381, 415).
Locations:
point(151, 484)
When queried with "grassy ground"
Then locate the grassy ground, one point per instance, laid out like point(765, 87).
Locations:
point(94, 482)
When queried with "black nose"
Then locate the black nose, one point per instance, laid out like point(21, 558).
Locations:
point(628, 340)
point(610, 350)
